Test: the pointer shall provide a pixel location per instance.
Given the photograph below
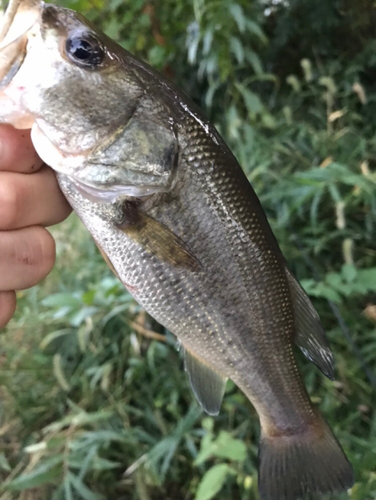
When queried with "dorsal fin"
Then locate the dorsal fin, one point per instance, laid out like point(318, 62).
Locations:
point(310, 335)
point(207, 385)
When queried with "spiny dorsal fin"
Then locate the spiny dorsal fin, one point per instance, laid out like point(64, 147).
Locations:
point(157, 238)
point(310, 335)
point(207, 385)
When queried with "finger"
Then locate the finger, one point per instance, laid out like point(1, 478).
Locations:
point(7, 307)
point(26, 257)
point(17, 152)
point(28, 200)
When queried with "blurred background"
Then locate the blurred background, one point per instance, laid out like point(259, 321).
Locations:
point(95, 403)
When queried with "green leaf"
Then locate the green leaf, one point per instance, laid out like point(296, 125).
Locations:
point(367, 278)
point(79, 419)
point(192, 42)
point(208, 423)
point(322, 290)
point(207, 41)
point(212, 481)
point(256, 30)
point(82, 314)
point(47, 472)
point(88, 297)
point(61, 299)
point(237, 13)
point(206, 449)
point(294, 82)
point(157, 56)
point(225, 446)
point(334, 280)
point(349, 272)
point(229, 447)
point(251, 100)
point(54, 335)
point(268, 120)
point(254, 61)
point(4, 463)
point(82, 489)
point(59, 372)
point(237, 49)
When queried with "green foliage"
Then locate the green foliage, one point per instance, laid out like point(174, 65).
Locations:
point(213, 481)
point(95, 401)
point(223, 446)
point(350, 281)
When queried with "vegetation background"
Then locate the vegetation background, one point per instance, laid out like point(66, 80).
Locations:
point(94, 400)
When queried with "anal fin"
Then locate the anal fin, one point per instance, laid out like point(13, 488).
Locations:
point(207, 385)
point(310, 335)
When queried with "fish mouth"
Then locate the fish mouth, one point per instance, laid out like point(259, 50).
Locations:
point(19, 18)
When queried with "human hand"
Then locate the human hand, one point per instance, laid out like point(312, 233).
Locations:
point(29, 199)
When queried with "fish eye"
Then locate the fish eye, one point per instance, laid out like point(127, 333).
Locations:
point(84, 50)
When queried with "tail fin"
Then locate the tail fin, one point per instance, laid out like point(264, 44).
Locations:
point(297, 465)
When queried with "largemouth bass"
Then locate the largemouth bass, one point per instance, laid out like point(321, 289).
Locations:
point(179, 224)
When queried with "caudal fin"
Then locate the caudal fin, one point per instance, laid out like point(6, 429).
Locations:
point(294, 466)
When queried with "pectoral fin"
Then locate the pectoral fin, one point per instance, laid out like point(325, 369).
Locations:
point(207, 385)
point(310, 335)
point(157, 239)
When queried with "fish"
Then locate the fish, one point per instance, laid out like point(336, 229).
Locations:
point(178, 222)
